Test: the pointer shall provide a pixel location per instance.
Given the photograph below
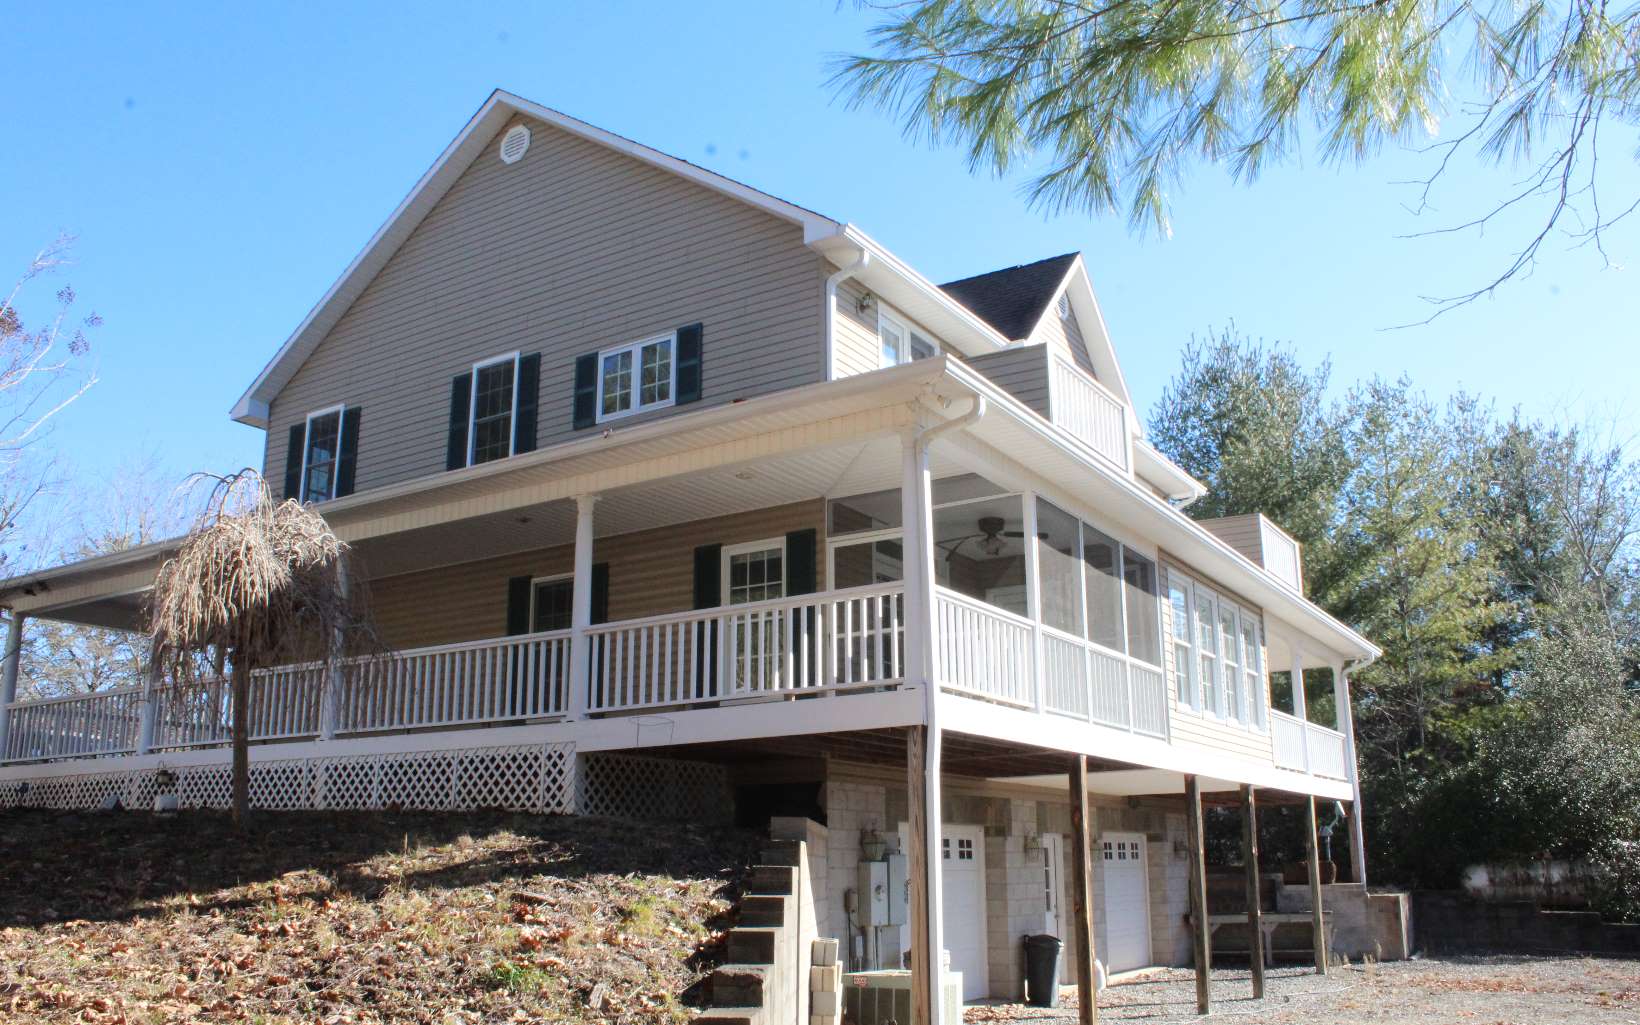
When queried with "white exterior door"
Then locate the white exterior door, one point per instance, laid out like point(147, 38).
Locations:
point(1053, 892)
point(962, 859)
point(1125, 944)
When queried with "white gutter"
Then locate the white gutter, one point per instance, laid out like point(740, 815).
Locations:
point(832, 281)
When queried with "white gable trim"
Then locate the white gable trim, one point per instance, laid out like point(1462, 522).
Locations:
point(252, 407)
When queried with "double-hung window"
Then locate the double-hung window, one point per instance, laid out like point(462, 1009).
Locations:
point(900, 342)
point(637, 377)
point(552, 603)
point(321, 454)
point(1218, 657)
point(494, 405)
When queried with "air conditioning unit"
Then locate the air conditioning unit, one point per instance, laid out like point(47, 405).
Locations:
point(878, 998)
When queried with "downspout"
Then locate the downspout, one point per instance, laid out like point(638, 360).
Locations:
point(917, 460)
point(1358, 829)
point(832, 281)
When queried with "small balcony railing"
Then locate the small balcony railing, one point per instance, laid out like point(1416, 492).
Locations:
point(1308, 747)
point(1084, 408)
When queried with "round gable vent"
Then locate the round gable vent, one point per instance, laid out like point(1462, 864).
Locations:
point(514, 143)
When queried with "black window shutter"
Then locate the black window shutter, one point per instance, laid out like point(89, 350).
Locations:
point(293, 460)
point(518, 606)
point(529, 402)
point(347, 455)
point(585, 409)
point(708, 576)
point(461, 398)
point(689, 360)
point(600, 592)
point(801, 576)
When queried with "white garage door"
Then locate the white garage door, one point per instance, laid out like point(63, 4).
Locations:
point(1125, 944)
point(962, 854)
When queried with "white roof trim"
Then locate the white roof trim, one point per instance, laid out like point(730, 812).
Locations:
point(252, 407)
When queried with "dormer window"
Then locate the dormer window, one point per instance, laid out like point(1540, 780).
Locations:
point(900, 342)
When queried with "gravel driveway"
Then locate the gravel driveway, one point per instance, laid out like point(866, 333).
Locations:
point(1447, 991)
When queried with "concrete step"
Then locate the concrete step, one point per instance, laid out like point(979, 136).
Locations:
point(782, 852)
point(740, 985)
point(753, 945)
point(761, 910)
point(733, 1016)
point(772, 879)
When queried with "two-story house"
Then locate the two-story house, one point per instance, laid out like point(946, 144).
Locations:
point(678, 498)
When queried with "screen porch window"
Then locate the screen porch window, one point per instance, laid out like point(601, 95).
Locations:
point(494, 405)
point(637, 377)
point(319, 455)
point(552, 604)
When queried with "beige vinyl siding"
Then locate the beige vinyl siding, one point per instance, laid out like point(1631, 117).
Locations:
point(1200, 730)
point(1239, 532)
point(855, 346)
point(1022, 371)
point(573, 249)
point(1064, 334)
point(650, 572)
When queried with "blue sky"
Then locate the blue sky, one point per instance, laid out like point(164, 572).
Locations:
point(220, 165)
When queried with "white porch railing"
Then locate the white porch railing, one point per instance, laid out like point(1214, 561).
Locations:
point(1308, 747)
point(521, 677)
point(79, 726)
point(990, 653)
point(830, 641)
point(1083, 407)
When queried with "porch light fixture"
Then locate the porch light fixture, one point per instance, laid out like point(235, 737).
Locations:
point(865, 302)
point(1033, 843)
point(873, 845)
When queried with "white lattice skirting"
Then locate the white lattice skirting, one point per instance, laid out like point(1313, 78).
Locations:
point(533, 777)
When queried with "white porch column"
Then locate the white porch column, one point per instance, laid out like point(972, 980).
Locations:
point(580, 644)
point(1346, 726)
point(8, 677)
point(1300, 712)
point(331, 700)
point(922, 670)
point(1033, 596)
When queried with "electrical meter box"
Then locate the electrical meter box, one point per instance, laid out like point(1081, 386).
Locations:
point(884, 892)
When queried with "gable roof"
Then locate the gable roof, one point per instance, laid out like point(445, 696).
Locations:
point(1013, 299)
point(497, 111)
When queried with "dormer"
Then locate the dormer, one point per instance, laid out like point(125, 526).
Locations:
point(1255, 536)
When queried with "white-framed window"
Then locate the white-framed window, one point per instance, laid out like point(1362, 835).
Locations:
point(1218, 653)
point(901, 343)
point(493, 409)
point(321, 454)
point(755, 571)
point(637, 376)
point(552, 603)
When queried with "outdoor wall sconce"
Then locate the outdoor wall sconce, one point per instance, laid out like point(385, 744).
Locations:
point(865, 303)
point(873, 845)
point(1033, 843)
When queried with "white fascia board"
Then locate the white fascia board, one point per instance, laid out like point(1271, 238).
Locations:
point(954, 322)
point(1173, 531)
point(252, 407)
point(1165, 473)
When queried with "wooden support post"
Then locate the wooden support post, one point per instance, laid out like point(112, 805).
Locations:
point(1087, 981)
point(1201, 944)
point(8, 678)
point(1255, 912)
point(1317, 915)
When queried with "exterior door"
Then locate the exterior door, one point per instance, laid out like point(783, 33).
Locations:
point(962, 859)
point(753, 573)
point(1125, 944)
point(1053, 891)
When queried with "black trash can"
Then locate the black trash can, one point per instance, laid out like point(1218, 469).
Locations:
point(1042, 970)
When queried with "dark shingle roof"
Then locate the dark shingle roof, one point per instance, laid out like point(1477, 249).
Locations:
point(1012, 299)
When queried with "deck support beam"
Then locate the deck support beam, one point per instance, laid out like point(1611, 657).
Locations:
point(1201, 943)
point(8, 676)
point(580, 644)
point(1087, 980)
point(1255, 909)
point(1317, 914)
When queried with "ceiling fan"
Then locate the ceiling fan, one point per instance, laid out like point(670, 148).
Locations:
point(989, 537)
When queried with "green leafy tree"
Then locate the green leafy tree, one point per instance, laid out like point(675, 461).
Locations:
point(1110, 102)
point(1251, 423)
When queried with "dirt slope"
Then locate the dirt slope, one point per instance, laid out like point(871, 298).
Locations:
point(315, 917)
